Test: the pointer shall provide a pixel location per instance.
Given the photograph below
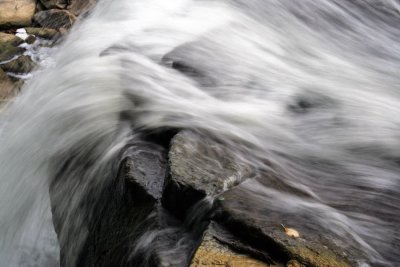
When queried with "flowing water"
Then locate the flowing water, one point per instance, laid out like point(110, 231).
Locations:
point(312, 87)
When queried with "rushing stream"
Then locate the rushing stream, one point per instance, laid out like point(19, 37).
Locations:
point(311, 87)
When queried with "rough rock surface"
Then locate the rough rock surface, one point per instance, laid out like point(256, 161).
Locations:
point(199, 167)
point(14, 13)
point(145, 167)
point(213, 253)
point(245, 211)
point(23, 64)
point(130, 198)
point(54, 19)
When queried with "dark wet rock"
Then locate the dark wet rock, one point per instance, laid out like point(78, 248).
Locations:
point(49, 4)
point(133, 218)
point(8, 51)
point(79, 7)
point(212, 252)
point(23, 64)
point(54, 19)
point(10, 39)
point(44, 33)
point(40, 6)
point(7, 88)
point(199, 167)
point(247, 212)
point(30, 40)
point(145, 167)
point(120, 215)
point(128, 225)
point(16, 13)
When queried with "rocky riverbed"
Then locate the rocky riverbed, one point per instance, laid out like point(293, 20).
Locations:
point(27, 27)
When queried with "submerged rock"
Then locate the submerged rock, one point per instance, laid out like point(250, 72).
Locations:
point(7, 87)
point(199, 167)
point(78, 7)
point(23, 64)
point(15, 13)
point(119, 217)
point(54, 19)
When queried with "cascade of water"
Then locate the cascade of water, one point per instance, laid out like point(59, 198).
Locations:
point(310, 86)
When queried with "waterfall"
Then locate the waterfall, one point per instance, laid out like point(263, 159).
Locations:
point(311, 87)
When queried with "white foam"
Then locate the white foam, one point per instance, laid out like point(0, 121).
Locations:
point(21, 33)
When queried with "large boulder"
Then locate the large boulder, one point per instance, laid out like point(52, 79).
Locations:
point(49, 4)
point(54, 19)
point(15, 13)
point(199, 167)
point(23, 64)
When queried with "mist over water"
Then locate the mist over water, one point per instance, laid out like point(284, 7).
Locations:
point(308, 90)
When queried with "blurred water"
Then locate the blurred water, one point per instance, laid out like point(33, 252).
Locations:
point(312, 87)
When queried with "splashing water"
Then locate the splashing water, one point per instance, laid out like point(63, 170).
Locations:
point(312, 87)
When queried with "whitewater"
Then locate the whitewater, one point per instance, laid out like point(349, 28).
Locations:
point(306, 89)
